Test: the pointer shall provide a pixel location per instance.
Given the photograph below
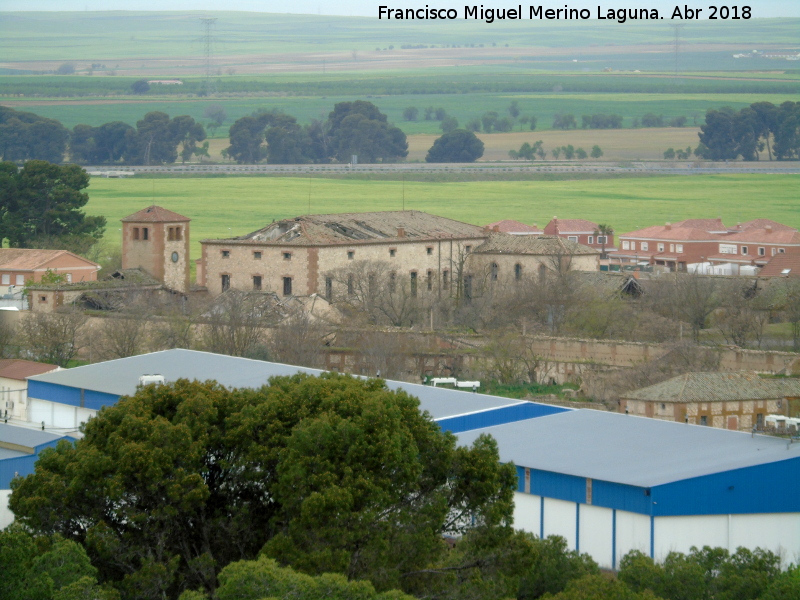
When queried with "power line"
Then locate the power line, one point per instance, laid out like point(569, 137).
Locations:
point(676, 27)
point(208, 52)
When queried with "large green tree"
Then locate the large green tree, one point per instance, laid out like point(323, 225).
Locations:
point(27, 136)
point(360, 128)
point(325, 474)
point(41, 207)
point(457, 146)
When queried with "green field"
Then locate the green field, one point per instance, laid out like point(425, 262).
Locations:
point(87, 35)
point(230, 206)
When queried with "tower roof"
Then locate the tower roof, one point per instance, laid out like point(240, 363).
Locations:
point(154, 214)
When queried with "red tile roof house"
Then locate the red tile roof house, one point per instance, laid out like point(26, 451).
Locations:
point(14, 375)
point(782, 265)
point(582, 231)
point(671, 246)
point(514, 228)
point(756, 247)
point(20, 266)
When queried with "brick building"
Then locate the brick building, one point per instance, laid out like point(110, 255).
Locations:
point(514, 227)
point(732, 400)
point(21, 266)
point(582, 232)
point(156, 240)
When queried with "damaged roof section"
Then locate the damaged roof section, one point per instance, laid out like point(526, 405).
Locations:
point(350, 228)
point(543, 245)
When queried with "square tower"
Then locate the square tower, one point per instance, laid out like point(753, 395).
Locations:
point(157, 240)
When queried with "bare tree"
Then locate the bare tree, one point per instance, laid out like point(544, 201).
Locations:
point(54, 338)
point(234, 324)
point(122, 336)
point(791, 311)
point(696, 297)
point(298, 340)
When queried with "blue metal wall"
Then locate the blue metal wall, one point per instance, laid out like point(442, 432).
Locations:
point(23, 465)
point(54, 392)
point(97, 400)
point(621, 497)
point(558, 485)
point(498, 416)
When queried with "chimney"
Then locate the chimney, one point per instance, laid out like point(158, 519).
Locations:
point(401, 232)
point(668, 226)
point(768, 228)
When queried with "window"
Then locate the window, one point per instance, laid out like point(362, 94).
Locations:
point(633, 245)
point(178, 234)
point(42, 298)
point(679, 248)
point(727, 248)
point(351, 254)
point(494, 271)
point(429, 279)
point(601, 239)
point(672, 247)
point(773, 251)
point(517, 271)
point(760, 420)
point(661, 247)
point(744, 250)
point(392, 252)
point(413, 284)
point(703, 420)
point(351, 288)
point(20, 279)
point(781, 250)
point(761, 251)
point(226, 253)
point(287, 256)
point(136, 233)
point(468, 288)
point(328, 289)
point(6, 279)
point(591, 239)
point(542, 272)
point(626, 245)
point(257, 255)
point(69, 277)
point(226, 282)
point(287, 286)
point(572, 238)
point(467, 249)
point(257, 282)
point(429, 250)
point(145, 233)
point(446, 279)
point(644, 245)
point(171, 234)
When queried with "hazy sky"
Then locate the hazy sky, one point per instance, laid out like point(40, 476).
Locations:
point(369, 8)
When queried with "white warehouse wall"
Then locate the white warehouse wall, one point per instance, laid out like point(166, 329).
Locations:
point(596, 533)
point(55, 414)
point(6, 516)
point(559, 519)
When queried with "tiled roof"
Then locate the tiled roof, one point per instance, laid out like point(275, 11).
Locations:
point(20, 369)
point(546, 245)
point(761, 224)
point(154, 214)
point(704, 224)
point(710, 387)
point(571, 225)
point(660, 232)
point(763, 236)
point(511, 226)
point(354, 228)
point(27, 259)
point(779, 264)
point(123, 278)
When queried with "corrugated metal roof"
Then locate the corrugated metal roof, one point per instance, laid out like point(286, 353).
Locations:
point(120, 377)
point(541, 245)
point(354, 228)
point(22, 436)
point(629, 450)
point(715, 387)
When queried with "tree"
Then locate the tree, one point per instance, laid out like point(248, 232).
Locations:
point(27, 136)
point(411, 113)
point(787, 131)
point(580, 154)
point(155, 141)
point(140, 86)
point(513, 109)
point(459, 145)
point(235, 324)
point(41, 207)
point(489, 121)
point(360, 128)
point(532, 121)
point(217, 114)
point(247, 140)
point(328, 474)
point(564, 121)
point(448, 124)
point(556, 152)
point(596, 151)
point(718, 136)
point(81, 144)
point(110, 141)
point(603, 232)
point(287, 142)
point(54, 338)
point(652, 120)
point(599, 587)
point(569, 151)
point(553, 568)
point(474, 125)
point(67, 68)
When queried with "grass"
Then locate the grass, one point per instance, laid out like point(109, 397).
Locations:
point(230, 206)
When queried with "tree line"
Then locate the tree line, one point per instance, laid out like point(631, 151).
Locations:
point(156, 139)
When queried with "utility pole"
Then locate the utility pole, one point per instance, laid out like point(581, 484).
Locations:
point(208, 51)
point(676, 27)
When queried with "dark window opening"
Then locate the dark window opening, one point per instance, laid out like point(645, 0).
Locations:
point(429, 250)
point(145, 233)
point(429, 277)
point(468, 288)
point(467, 249)
point(257, 255)
point(226, 282)
point(328, 289)
point(171, 234)
point(392, 252)
point(256, 282)
point(350, 254)
point(136, 233)
point(517, 271)
point(226, 254)
point(495, 270)
point(178, 234)
point(542, 272)
point(287, 256)
point(287, 286)
point(446, 279)
point(703, 420)
point(413, 284)
point(351, 288)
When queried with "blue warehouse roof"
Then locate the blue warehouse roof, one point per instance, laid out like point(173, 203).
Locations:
point(101, 384)
point(636, 451)
point(19, 450)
